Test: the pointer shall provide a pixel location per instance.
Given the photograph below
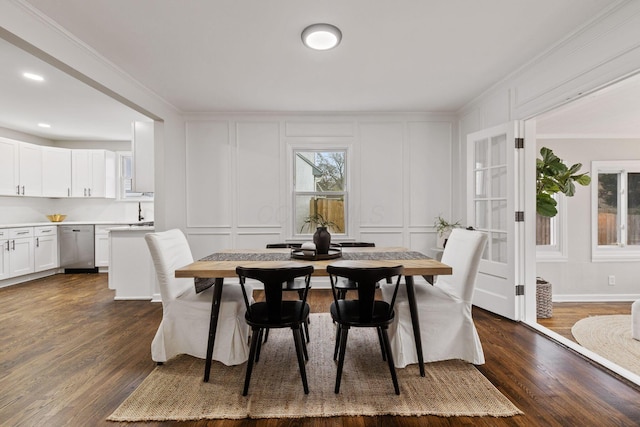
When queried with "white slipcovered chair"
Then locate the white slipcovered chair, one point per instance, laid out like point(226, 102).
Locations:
point(444, 308)
point(184, 328)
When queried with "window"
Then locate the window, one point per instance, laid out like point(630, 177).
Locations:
point(125, 179)
point(616, 210)
point(551, 233)
point(320, 184)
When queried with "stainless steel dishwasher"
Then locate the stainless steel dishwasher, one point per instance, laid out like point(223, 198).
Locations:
point(77, 248)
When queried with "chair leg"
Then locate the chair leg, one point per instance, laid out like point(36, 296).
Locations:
point(392, 367)
point(344, 331)
point(266, 334)
point(297, 339)
point(252, 353)
point(384, 351)
point(259, 345)
point(304, 345)
point(337, 346)
point(305, 331)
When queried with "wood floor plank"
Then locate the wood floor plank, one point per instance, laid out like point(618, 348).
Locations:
point(70, 354)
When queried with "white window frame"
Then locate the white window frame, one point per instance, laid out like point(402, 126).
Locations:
point(621, 252)
point(558, 250)
point(122, 196)
point(295, 148)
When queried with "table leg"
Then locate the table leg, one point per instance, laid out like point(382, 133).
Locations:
point(413, 308)
point(213, 325)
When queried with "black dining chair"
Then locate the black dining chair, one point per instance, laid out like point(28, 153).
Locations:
point(344, 285)
point(274, 312)
point(297, 285)
point(364, 312)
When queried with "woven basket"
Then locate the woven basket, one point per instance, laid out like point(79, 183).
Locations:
point(544, 304)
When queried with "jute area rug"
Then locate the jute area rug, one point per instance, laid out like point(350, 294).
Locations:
point(175, 390)
point(610, 337)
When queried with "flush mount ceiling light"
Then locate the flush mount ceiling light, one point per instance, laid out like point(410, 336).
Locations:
point(32, 76)
point(44, 125)
point(321, 36)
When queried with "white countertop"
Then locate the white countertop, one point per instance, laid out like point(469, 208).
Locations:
point(122, 224)
point(145, 228)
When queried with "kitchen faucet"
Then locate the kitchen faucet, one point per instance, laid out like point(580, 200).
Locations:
point(140, 217)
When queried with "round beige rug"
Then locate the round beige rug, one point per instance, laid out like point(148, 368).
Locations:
point(610, 337)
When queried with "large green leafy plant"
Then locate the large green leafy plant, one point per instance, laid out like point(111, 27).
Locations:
point(553, 176)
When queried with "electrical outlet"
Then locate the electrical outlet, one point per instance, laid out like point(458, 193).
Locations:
point(612, 280)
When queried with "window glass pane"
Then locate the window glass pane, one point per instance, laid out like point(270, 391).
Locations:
point(126, 166)
point(482, 217)
point(608, 209)
point(498, 150)
point(499, 182)
point(481, 183)
point(633, 209)
point(543, 230)
point(320, 171)
point(330, 208)
point(499, 215)
point(482, 147)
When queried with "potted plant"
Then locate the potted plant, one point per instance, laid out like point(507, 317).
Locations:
point(317, 220)
point(553, 176)
point(443, 228)
point(322, 237)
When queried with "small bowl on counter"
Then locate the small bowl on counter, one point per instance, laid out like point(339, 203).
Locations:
point(56, 217)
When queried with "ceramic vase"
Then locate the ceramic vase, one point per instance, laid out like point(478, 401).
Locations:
point(322, 239)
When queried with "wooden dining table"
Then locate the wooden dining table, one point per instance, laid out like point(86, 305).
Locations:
point(213, 269)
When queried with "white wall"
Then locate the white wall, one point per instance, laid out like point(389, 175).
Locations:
point(238, 169)
point(606, 50)
point(579, 279)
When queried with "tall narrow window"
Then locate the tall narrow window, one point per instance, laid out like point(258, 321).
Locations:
point(320, 184)
point(125, 173)
point(551, 233)
point(616, 204)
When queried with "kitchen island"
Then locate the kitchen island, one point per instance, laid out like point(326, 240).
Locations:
point(131, 271)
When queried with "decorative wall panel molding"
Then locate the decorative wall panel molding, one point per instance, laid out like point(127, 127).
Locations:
point(208, 169)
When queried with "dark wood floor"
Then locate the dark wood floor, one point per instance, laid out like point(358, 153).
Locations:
point(69, 355)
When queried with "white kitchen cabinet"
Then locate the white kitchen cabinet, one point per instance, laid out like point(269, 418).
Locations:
point(102, 244)
point(9, 162)
point(46, 248)
point(4, 254)
point(21, 251)
point(143, 154)
point(131, 271)
point(30, 169)
point(93, 173)
point(56, 172)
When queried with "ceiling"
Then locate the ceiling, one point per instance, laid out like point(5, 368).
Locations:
point(247, 56)
point(74, 110)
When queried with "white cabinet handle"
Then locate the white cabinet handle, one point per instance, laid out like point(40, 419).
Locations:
point(23, 190)
point(37, 242)
point(89, 192)
point(18, 190)
point(85, 192)
point(13, 245)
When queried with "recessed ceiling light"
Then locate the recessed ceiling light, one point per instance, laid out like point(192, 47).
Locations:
point(32, 76)
point(321, 36)
point(44, 125)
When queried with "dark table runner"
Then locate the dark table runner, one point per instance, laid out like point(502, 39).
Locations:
point(204, 283)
